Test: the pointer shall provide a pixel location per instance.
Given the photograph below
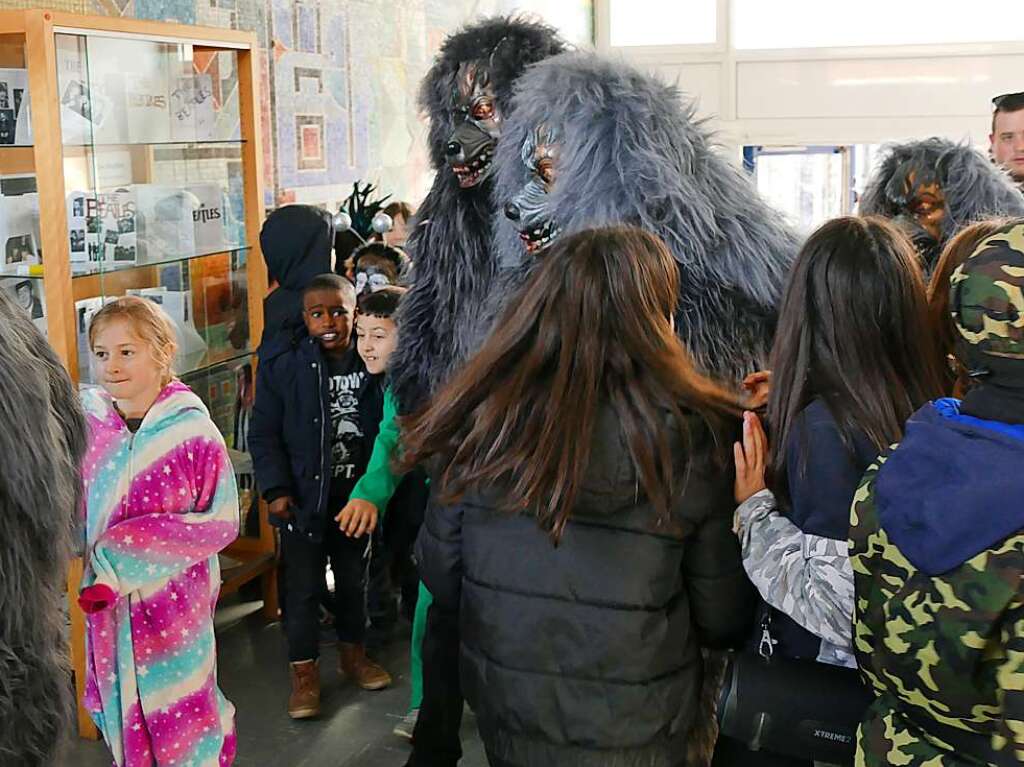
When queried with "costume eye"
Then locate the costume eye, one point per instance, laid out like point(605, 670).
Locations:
point(483, 110)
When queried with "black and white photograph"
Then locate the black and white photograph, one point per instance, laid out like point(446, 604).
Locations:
point(77, 98)
point(27, 293)
point(19, 250)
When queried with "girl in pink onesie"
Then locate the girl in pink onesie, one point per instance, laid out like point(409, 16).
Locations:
point(161, 502)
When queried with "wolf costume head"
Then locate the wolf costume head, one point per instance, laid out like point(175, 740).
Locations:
point(467, 96)
point(42, 441)
point(933, 188)
point(593, 142)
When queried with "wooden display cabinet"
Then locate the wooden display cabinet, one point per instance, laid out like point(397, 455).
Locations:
point(130, 162)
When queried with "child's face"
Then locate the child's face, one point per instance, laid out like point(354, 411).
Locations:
point(376, 338)
point(125, 363)
point(372, 274)
point(328, 317)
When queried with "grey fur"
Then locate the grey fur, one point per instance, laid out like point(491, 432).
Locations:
point(42, 441)
point(631, 151)
point(974, 188)
point(450, 242)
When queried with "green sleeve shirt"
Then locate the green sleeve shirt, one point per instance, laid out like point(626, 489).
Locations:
point(378, 484)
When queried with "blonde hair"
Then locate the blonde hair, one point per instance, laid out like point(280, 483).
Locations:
point(147, 320)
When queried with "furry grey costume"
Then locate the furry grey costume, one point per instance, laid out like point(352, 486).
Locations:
point(42, 441)
point(593, 142)
point(467, 95)
point(935, 187)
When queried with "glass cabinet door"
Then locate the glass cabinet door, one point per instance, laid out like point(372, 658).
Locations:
point(153, 175)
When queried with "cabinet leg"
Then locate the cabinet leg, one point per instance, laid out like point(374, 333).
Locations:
point(269, 584)
point(86, 727)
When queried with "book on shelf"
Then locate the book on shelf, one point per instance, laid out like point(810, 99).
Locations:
point(102, 227)
point(192, 114)
point(28, 294)
point(15, 114)
point(19, 233)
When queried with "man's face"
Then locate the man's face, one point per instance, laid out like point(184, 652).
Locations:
point(1007, 142)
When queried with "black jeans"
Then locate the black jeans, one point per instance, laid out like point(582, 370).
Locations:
point(381, 605)
point(436, 737)
point(304, 576)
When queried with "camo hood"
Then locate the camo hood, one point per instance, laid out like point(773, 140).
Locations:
point(987, 295)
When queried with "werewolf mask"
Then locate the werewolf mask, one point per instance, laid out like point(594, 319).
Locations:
point(591, 142)
point(470, 148)
point(529, 209)
point(933, 188)
point(467, 96)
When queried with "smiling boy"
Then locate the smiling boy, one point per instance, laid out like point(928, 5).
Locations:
point(316, 416)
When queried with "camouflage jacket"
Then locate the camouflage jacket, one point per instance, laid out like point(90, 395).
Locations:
point(804, 576)
point(937, 548)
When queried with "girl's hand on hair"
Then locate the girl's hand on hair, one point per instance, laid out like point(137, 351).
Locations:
point(358, 518)
point(758, 385)
point(751, 456)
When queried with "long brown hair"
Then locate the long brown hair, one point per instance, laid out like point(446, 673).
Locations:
point(854, 331)
point(591, 325)
point(955, 253)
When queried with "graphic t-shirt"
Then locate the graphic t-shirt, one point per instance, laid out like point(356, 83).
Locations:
point(354, 402)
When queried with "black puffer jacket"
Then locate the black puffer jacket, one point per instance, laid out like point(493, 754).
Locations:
point(587, 655)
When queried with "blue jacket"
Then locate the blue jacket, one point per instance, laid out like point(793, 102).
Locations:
point(823, 473)
point(289, 438)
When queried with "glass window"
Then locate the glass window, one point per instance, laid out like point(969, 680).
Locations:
point(806, 187)
point(816, 24)
point(655, 22)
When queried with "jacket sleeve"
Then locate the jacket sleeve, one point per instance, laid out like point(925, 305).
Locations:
point(1009, 732)
point(266, 438)
point(722, 601)
point(439, 553)
point(150, 547)
point(807, 577)
point(378, 484)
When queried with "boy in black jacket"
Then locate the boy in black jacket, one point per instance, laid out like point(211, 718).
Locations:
point(316, 416)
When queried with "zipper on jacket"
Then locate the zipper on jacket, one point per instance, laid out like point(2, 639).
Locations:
point(323, 436)
point(131, 470)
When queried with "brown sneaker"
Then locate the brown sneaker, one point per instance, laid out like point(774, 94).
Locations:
point(304, 701)
point(353, 663)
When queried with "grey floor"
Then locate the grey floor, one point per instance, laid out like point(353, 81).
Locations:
point(354, 729)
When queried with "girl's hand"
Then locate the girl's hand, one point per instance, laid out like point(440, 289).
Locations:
point(751, 457)
point(358, 518)
point(758, 385)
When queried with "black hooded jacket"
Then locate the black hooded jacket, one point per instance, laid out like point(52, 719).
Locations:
point(296, 241)
point(588, 653)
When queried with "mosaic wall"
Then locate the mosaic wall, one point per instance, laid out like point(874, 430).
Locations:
point(339, 79)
